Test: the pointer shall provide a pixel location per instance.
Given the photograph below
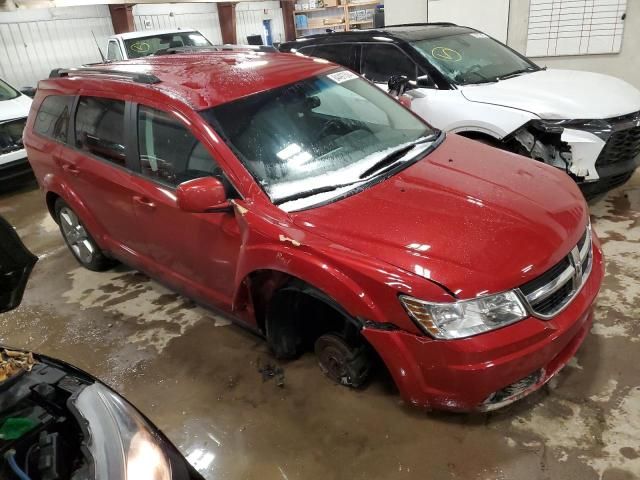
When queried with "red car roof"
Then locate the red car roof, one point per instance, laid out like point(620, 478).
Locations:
point(205, 80)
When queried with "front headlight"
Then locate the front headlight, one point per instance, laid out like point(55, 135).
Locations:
point(465, 318)
point(121, 442)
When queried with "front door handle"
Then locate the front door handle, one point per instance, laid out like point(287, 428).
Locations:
point(145, 202)
point(70, 168)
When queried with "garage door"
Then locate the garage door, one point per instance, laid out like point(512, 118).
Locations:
point(199, 16)
point(249, 18)
point(35, 41)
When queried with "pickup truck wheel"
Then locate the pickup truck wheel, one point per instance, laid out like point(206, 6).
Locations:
point(79, 240)
point(341, 362)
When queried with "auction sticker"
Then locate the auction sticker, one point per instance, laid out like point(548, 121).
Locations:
point(342, 76)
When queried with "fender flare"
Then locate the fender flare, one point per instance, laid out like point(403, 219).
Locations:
point(328, 280)
point(54, 184)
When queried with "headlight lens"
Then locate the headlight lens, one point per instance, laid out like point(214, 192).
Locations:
point(465, 318)
point(121, 442)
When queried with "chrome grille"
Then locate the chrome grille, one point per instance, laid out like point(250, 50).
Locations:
point(552, 291)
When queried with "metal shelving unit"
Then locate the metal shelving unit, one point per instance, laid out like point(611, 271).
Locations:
point(333, 13)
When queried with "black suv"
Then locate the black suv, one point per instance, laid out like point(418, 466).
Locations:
point(382, 53)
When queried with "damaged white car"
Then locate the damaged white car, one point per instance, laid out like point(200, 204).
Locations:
point(14, 108)
point(464, 81)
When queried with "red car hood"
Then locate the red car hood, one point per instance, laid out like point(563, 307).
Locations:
point(470, 217)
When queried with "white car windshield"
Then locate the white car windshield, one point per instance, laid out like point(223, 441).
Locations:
point(319, 138)
point(7, 92)
point(150, 45)
point(474, 57)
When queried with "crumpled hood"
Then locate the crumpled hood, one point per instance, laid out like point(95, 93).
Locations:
point(470, 217)
point(560, 94)
point(15, 108)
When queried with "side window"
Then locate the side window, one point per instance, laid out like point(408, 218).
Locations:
point(113, 51)
point(343, 54)
point(52, 119)
point(100, 128)
point(169, 152)
point(383, 61)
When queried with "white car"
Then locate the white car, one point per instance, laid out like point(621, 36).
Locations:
point(14, 108)
point(125, 46)
point(461, 80)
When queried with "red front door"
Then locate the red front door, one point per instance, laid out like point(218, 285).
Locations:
point(196, 253)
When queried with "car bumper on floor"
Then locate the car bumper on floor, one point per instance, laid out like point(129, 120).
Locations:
point(14, 166)
point(491, 370)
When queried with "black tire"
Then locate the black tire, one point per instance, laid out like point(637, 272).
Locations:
point(80, 242)
point(341, 362)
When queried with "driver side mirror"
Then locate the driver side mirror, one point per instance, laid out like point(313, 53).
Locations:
point(16, 263)
point(202, 195)
point(398, 84)
point(28, 91)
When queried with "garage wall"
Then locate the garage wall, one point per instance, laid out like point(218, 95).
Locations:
point(249, 17)
point(625, 65)
point(199, 16)
point(35, 41)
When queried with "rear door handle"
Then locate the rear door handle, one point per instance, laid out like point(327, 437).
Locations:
point(145, 202)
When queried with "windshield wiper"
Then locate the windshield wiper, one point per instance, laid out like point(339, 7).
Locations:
point(314, 191)
point(515, 73)
point(394, 156)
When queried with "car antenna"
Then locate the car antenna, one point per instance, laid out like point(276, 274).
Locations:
point(104, 60)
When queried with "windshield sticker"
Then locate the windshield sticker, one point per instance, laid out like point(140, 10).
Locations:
point(447, 54)
point(342, 76)
point(479, 35)
point(140, 47)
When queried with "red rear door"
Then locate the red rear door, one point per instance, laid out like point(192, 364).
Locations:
point(97, 169)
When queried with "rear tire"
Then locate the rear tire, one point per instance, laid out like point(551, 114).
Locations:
point(82, 245)
point(341, 362)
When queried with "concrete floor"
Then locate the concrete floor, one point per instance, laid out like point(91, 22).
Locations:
point(196, 377)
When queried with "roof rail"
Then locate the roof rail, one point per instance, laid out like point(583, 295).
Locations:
point(444, 24)
point(122, 74)
point(215, 48)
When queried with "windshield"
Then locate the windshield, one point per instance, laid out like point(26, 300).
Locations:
point(141, 47)
point(7, 92)
point(473, 57)
point(316, 139)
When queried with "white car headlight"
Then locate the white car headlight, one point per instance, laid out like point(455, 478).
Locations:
point(465, 318)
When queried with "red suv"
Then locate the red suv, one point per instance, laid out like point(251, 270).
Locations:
point(320, 213)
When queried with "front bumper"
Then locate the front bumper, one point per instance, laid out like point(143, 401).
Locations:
point(14, 165)
point(465, 375)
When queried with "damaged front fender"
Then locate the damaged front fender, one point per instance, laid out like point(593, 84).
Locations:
point(573, 150)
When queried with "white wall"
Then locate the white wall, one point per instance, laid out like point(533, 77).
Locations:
point(625, 65)
point(490, 16)
point(405, 11)
point(35, 41)
point(199, 16)
point(249, 17)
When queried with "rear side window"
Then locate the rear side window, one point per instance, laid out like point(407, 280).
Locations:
point(100, 128)
point(52, 120)
point(344, 54)
point(380, 62)
point(169, 153)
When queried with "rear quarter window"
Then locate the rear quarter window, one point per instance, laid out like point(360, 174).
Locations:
point(52, 119)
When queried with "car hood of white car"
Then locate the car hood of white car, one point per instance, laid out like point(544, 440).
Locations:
point(560, 94)
point(15, 108)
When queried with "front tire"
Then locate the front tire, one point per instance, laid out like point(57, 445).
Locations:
point(79, 240)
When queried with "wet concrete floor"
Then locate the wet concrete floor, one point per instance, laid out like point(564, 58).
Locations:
point(196, 377)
